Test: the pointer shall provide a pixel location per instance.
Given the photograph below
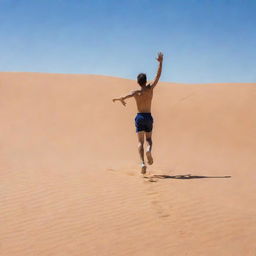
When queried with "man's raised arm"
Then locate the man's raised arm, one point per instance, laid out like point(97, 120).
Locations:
point(159, 71)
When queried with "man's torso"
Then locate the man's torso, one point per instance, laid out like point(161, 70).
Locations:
point(143, 99)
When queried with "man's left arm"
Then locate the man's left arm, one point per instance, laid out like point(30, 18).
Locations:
point(122, 99)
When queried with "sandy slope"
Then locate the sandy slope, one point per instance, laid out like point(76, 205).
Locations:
point(69, 178)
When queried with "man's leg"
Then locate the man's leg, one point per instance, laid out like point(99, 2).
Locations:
point(149, 147)
point(141, 151)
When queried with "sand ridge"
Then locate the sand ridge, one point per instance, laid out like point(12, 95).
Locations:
point(70, 182)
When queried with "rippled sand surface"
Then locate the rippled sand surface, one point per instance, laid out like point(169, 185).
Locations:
point(70, 181)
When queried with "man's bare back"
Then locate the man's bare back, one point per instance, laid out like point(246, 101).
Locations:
point(144, 119)
point(143, 98)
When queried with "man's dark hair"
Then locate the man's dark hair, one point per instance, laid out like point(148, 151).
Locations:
point(142, 79)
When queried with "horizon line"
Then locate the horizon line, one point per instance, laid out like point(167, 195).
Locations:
point(117, 77)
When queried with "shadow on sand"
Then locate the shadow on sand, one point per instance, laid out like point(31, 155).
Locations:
point(186, 177)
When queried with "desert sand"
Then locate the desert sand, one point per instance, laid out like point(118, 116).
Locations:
point(70, 179)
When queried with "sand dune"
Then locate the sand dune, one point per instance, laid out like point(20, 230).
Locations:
point(70, 182)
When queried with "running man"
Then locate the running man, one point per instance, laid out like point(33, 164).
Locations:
point(144, 119)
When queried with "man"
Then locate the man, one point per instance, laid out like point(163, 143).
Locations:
point(144, 119)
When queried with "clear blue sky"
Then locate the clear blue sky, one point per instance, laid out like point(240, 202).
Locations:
point(203, 41)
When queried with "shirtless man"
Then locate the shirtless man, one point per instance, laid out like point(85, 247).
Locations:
point(144, 119)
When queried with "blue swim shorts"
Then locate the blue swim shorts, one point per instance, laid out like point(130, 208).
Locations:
point(144, 122)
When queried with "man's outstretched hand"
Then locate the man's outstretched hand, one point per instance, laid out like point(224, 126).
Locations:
point(122, 101)
point(160, 57)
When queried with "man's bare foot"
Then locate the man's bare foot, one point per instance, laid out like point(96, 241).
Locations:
point(149, 157)
point(143, 168)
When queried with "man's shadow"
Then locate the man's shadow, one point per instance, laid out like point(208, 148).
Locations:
point(186, 176)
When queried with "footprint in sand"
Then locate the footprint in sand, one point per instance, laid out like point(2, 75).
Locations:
point(155, 199)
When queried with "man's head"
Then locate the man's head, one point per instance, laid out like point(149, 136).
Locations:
point(142, 79)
